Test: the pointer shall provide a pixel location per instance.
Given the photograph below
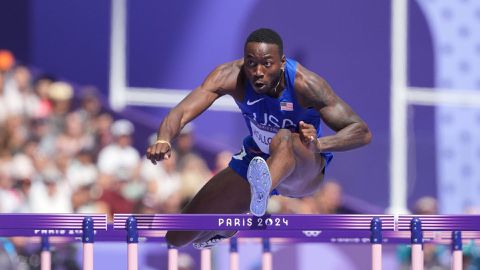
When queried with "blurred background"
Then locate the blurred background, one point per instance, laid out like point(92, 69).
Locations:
point(85, 84)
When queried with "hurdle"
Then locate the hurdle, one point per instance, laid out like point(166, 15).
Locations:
point(62, 225)
point(275, 229)
point(439, 223)
point(278, 226)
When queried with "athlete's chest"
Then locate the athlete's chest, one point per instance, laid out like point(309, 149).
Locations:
point(271, 112)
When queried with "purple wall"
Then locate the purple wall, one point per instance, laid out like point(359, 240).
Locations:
point(175, 44)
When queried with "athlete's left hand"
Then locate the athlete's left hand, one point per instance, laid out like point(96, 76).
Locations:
point(308, 135)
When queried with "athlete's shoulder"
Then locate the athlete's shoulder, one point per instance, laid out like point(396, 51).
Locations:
point(307, 79)
point(225, 76)
point(309, 85)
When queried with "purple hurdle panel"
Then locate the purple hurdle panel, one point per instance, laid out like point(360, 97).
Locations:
point(297, 228)
point(447, 223)
point(62, 225)
point(249, 222)
point(442, 222)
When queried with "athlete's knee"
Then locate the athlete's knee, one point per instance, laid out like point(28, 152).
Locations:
point(283, 139)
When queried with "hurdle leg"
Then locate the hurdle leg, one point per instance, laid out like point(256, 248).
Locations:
point(417, 257)
point(417, 243)
point(172, 258)
point(132, 256)
point(87, 239)
point(376, 257)
point(457, 260)
point(45, 255)
point(267, 263)
point(45, 260)
point(234, 259)
point(206, 259)
point(132, 243)
point(457, 256)
point(376, 241)
point(88, 256)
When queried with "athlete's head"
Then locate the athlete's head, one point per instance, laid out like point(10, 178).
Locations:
point(264, 60)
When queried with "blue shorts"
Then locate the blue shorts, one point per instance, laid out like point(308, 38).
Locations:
point(241, 160)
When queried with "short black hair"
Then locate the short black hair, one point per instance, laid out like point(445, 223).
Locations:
point(266, 35)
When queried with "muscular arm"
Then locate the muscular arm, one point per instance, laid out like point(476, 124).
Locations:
point(221, 81)
point(351, 130)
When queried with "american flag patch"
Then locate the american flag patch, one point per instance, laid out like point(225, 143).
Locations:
point(286, 106)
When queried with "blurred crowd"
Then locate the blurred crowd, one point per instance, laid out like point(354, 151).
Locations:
point(61, 151)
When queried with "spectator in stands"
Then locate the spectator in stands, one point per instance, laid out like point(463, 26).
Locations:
point(194, 174)
point(184, 144)
point(60, 94)
point(74, 136)
point(50, 193)
point(118, 165)
point(90, 107)
point(3, 102)
point(103, 134)
point(40, 86)
point(82, 175)
point(19, 95)
point(14, 134)
point(6, 63)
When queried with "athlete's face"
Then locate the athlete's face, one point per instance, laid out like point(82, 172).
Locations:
point(262, 65)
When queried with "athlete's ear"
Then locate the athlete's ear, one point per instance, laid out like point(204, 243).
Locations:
point(284, 61)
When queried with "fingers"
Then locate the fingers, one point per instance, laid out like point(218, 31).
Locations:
point(307, 132)
point(158, 152)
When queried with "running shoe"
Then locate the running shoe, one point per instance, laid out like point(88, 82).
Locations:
point(258, 176)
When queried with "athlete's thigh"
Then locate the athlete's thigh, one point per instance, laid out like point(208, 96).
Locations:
point(226, 192)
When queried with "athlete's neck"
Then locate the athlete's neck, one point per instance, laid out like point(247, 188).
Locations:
point(276, 91)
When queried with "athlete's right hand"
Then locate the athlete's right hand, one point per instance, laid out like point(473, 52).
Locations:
point(159, 151)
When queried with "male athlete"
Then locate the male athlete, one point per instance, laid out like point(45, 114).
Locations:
point(283, 104)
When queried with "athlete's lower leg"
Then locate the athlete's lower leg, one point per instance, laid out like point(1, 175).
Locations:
point(225, 193)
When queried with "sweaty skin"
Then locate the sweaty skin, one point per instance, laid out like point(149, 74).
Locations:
point(295, 162)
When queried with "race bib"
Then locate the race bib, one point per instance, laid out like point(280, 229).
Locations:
point(262, 135)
